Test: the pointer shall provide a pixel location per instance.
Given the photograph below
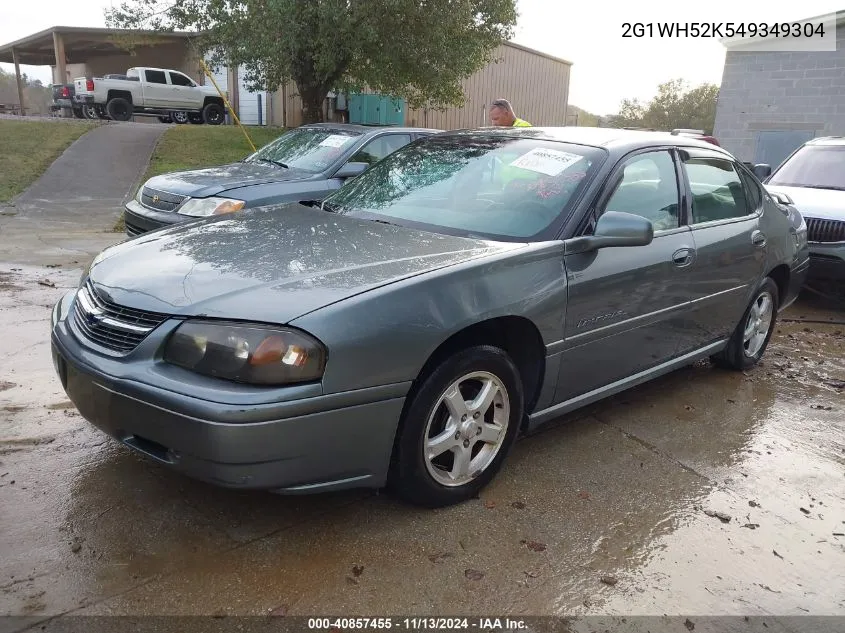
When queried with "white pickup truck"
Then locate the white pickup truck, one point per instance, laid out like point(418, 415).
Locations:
point(168, 94)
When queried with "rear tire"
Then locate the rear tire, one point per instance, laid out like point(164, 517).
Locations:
point(119, 109)
point(89, 112)
point(79, 113)
point(180, 117)
point(751, 337)
point(213, 114)
point(452, 440)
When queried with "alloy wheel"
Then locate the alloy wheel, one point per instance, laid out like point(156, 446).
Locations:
point(466, 428)
point(758, 324)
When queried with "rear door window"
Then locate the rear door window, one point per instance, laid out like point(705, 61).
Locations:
point(155, 76)
point(717, 190)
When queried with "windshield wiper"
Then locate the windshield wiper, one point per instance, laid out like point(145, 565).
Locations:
point(275, 162)
point(384, 222)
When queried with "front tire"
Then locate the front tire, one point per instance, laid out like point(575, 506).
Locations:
point(751, 337)
point(457, 428)
point(119, 109)
point(213, 114)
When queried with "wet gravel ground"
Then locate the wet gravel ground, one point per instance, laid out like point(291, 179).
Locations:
point(704, 492)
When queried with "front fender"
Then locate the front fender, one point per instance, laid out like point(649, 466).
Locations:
point(386, 335)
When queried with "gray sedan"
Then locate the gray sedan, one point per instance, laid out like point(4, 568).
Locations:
point(306, 163)
point(462, 291)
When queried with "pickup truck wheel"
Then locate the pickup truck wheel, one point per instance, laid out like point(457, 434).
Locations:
point(119, 109)
point(88, 112)
point(213, 114)
point(78, 113)
point(179, 117)
point(195, 118)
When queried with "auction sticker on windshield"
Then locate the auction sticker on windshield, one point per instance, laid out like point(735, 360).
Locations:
point(546, 161)
point(335, 140)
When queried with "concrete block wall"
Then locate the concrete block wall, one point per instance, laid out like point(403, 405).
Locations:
point(780, 91)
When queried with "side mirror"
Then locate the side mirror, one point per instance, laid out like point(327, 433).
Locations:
point(762, 171)
point(614, 229)
point(350, 170)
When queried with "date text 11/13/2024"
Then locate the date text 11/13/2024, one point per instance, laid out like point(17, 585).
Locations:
point(723, 29)
point(417, 624)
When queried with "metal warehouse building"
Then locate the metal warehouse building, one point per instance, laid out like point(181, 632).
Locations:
point(772, 102)
point(537, 84)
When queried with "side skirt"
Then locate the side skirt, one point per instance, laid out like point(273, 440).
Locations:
point(590, 397)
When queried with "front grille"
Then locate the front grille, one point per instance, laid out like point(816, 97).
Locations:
point(110, 325)
point(825, 230)
point(160, 200)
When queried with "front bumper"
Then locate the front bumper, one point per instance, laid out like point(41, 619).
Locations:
point(827, 261)
point(139, 219)
point(298, 445)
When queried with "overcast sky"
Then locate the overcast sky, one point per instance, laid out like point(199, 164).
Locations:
point(607, 67)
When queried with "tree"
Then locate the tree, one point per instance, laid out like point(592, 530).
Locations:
point(416, 49)
point(674, 106)
point(580, 117)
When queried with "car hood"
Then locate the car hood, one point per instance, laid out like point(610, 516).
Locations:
point(824, 204)
point(201, 183)
point(270, 264)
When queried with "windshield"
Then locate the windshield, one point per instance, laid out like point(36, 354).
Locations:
point(308, 149)
point(483, 186)
point(816, 166)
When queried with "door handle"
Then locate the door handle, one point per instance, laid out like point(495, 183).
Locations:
point(758, 238)
point(683, 257)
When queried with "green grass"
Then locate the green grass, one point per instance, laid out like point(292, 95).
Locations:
point(28, 148)
point(195, 146)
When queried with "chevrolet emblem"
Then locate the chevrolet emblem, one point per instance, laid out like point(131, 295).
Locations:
point(156, 198)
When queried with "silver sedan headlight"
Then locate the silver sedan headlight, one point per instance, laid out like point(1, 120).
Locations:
point(204, 207)
point(253, 354)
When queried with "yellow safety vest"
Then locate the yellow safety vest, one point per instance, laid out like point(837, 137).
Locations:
point(520, 123)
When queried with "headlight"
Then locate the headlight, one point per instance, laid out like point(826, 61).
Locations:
point(246, 353)
point(203, 207)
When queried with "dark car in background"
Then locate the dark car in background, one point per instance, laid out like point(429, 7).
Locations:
point(465, 289)
point(305, 163)
point(63, 101)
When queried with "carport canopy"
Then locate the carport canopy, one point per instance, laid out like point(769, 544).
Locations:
point(62, 45)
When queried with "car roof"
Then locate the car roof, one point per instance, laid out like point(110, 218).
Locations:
point(606, 137)
point(827, 140)
point(364, 128)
